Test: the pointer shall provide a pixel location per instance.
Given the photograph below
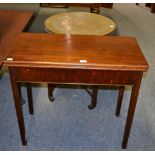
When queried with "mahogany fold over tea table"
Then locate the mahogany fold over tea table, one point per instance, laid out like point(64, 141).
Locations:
point(80, 60)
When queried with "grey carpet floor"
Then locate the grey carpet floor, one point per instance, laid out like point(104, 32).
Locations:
point(67, 124)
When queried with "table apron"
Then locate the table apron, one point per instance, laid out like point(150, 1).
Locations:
point(75, 76)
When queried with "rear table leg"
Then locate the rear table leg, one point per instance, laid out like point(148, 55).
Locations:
point(51, 88)
point(94, 98)
point(30, 99)
point(119, 100)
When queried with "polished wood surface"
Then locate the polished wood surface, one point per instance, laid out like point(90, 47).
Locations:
point(68, 51)
point(11, 24)
point(55, 59)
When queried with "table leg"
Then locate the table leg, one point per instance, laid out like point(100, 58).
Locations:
point(95, 10)
point(51, 88)
point(153, 7)
point(22, 100)
point(94, 98)
point(119, 100)
point(30, 99)
point(131, 110)
point(18, 106)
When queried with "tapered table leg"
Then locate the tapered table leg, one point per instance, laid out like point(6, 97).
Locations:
point(119, 100)
point(94, 98)
point(18, 106)
point(131, 110)
point(30, 99)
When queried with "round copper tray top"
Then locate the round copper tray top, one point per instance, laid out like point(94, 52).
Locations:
point(83, 23)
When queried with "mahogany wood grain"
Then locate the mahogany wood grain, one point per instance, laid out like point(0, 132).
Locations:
point(11, 24)
point(74, 76)
point(109, 52)
point(55, 59)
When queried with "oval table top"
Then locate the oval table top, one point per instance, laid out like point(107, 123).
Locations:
point(82, 23)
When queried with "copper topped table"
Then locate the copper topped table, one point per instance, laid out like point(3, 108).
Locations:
point(70, 59)
point(82, 23)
